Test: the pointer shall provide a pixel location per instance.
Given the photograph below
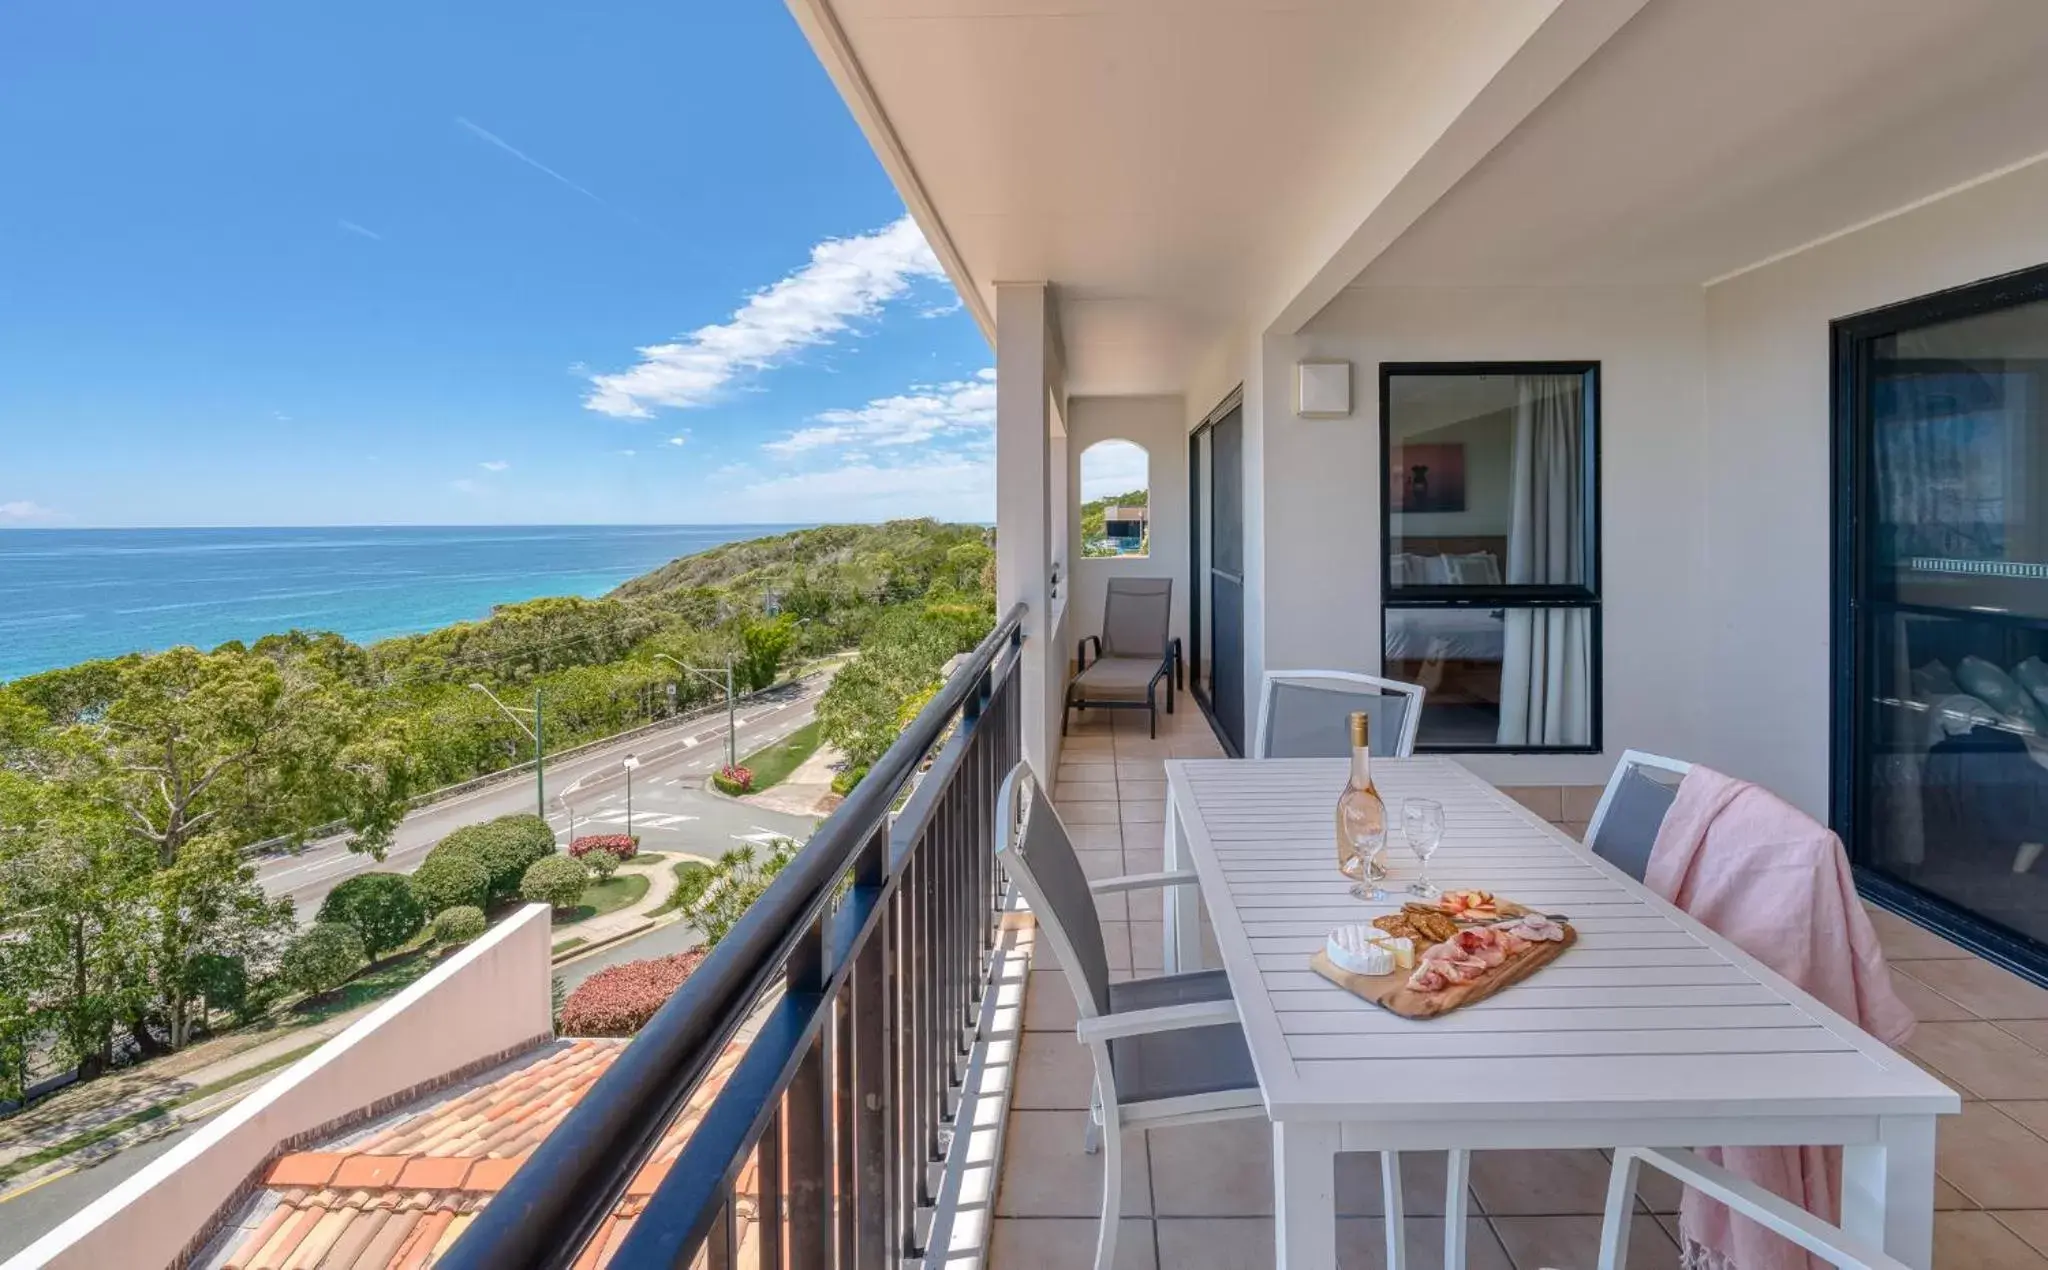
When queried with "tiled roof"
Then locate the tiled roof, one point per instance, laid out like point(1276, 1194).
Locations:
point(396, 1195)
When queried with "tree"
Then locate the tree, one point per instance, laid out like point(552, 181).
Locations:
point(459, 925)
point(218, 982)
point(381, 907)
point(505, 847)
point(323, 957)
point(732, 885)
point(556, 881)
point(450, 879)
point(762, 648)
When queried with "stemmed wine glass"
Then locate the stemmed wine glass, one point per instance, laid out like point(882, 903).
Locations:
point(1422, 821)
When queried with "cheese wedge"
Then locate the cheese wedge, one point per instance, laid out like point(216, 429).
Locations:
point(1400, 947)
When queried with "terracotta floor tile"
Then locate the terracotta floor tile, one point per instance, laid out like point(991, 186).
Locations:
point(1049, 1003)
point(1147, 946)
point(1927, 1005)
point(2033, 1031)
point(2034, 1115)
point(1546, 801)
point(1946, 1196)
point(1361, 1244)
point(1982, 1059)
point(1579, 802)
point(1140, 769)
point(1074, 815)
point(1985, 990)
point(1993, 1159)
point(1101, 864)
point(1224, 1169)
point(1906, 940)
point(1065, 1243)
point(2030, 1225)
point(1054, 1073)
point(1084, 792)
point(1047, 1174)
point(1141, 812)
point(1976, 1241)
point(1087, 772)
point(1548, 1183)
point(1096, 837)
point(1535, 1242)
point(1143, 791)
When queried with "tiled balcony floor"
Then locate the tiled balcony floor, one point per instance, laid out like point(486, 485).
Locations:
point(1200, 1197)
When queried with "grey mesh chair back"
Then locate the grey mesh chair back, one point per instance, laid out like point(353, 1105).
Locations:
point(1034, 849)
point(1306, 714)
point(1624, 826)
point(1135, 617)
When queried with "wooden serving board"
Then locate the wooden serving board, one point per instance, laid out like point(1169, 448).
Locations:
point(1391, 992)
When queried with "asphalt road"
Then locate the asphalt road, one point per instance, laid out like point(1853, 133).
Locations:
point(671, 811)
point(29, 1215)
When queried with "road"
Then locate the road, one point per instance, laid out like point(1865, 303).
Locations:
point(26, 1216)
point(672, 812)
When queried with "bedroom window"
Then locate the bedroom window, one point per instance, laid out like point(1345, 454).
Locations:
point(1490, 539)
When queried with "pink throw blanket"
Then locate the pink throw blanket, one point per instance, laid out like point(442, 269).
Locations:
point(1774, 882)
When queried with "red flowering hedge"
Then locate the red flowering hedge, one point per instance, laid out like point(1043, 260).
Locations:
point(618, 1000)
point(619, 845)
point(733, 779)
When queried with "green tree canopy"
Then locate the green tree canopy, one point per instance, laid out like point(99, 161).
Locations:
point(380, 907)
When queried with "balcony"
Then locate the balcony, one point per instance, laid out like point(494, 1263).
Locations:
point(1201, 1196)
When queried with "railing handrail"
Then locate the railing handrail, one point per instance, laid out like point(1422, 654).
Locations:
point(558, 1198)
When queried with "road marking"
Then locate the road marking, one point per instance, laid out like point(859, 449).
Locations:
point(659, 819)
point(20, 1191)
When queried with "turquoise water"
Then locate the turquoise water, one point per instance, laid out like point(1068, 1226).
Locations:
point(69, 595)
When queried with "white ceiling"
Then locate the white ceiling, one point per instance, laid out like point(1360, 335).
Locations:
point(1162, 162)
point(1707, 137)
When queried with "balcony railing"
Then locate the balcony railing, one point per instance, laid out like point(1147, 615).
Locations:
point(859, 974)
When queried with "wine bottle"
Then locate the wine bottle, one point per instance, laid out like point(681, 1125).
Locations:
point(1362, 820)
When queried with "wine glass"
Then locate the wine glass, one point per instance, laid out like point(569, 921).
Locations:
point(1364, 837)
point(1422, 821)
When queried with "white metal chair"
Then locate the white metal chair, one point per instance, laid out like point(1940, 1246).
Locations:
point(1169, 1050)
point(1624, 825)
point(1830, 1243)
point(1302, 713)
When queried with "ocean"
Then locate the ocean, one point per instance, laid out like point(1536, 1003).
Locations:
point(70, 595)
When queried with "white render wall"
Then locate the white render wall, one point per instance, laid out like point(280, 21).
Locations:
point(1157, 424)
point(1324, 489)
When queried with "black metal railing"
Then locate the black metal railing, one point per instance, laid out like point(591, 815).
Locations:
point(860, 971)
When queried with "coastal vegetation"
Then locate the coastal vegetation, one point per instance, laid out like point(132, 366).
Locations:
point(133, 789)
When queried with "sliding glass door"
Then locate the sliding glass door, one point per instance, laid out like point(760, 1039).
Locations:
point(1941, 746)
point(1216, 569)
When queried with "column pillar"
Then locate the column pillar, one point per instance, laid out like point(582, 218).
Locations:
point(1023, 507)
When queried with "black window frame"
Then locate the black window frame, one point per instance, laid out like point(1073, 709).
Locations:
point(1584, 595)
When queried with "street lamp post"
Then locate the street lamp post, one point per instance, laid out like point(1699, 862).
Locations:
point(540, 796)
point(732, 758)
point(629, 763)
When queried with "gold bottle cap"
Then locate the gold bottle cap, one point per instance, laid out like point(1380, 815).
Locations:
point(1359, 722)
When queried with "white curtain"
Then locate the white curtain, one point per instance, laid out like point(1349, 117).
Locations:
point(1546, 673)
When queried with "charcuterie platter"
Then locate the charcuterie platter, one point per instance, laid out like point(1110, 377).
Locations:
point(1430, 959)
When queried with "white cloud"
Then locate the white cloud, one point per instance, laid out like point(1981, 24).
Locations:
point(948, 486)
point(629, 453)
point(678, 440)
point(22, 509)
point(494, 465)
point(847, 279)
point(963, 406)
point(354, 228)
point(1113, 467)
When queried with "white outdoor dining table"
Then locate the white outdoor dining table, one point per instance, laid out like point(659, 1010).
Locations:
point(1650, 1031)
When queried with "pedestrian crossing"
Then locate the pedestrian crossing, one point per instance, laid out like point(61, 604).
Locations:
point(653, 819)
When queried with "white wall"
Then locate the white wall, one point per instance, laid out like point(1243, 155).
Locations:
point(1765, 574)
point(1323, 489)
point(1158, 424)
point(487, 1002)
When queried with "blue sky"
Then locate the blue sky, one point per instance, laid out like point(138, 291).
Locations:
point(283, 263)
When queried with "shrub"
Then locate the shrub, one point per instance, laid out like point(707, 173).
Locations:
point(458, 925)
point(732, 886)
point(323, 956)
point(222, 980)
point(844, 780)
point(557, 881)
point(618, 1000)
point(603, 853)
point(733, 779)
point(450, 879)
point(505, 847)
point(380, 906)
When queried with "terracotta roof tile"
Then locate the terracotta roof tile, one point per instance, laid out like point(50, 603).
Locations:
point(304, 1168)
point(398, 1196)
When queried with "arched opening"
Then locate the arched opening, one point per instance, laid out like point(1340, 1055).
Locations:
point(1115, 500)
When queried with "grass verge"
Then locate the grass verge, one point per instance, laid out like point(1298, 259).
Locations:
point(772, 764)
point(574, 941)
point(371, 985)
point(608, 896)
point(690, 878)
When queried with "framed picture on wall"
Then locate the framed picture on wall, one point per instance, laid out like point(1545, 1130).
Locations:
point(1427, 478)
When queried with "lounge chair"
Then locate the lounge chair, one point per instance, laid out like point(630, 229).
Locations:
point(1133, 654)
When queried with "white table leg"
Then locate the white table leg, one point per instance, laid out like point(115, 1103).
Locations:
point(1888, 1190)
point(1183, 932)
point(1457, 1195)
point(1305, 1196)
point(1393, 1211)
